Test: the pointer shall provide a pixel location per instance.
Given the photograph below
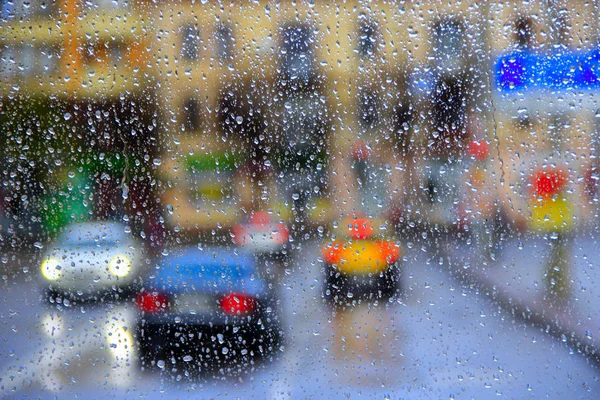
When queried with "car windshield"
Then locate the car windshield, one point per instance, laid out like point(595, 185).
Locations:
point(305, 199)
point(94, 233)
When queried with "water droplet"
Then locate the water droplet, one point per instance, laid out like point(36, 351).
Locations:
point(67, 116)
point(161, 364)
point(187, 358)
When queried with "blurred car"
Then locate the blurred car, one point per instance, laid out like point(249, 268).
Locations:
point(262, 234)
point(92, 258)
point(362, 266)
point(206, 307)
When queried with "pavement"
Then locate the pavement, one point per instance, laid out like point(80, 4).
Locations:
point(512, 276)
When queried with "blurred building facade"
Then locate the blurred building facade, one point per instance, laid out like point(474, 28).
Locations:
point(310, 109)
point(78, 106)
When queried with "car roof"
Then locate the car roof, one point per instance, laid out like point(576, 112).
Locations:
point(215, 269)
point(224, 255)
point(94, 230)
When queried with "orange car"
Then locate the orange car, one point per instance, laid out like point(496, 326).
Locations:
point(362, 266)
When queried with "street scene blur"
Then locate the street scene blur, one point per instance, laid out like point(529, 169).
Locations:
point(299, 199)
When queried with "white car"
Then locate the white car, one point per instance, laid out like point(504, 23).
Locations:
point(262, 234)
point(92, 258)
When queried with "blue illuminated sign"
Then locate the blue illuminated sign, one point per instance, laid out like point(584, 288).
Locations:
point(558, 71)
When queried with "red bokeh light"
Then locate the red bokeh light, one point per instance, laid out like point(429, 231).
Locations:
point(548, 182)
point(478, 149)
point(332, 254)
point(151, 302)
point(238, 304)
point(260, 218)
point(389, 250)
point(360, 229)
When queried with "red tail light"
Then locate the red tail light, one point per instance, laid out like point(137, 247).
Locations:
point(360, 229)
point(389, 251)
point(332, 254)
point(478, 149)
point(238, 304)
point(151, 302)
point(260, 218)
point(549, 182)
point(281, 234)
point(239, 233)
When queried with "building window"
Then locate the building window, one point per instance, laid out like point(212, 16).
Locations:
point(14, 9)
point(8, 59)
point(115, 54)
point(104, 4)
point(297, 53)
point(192, 117)
point(224, 42)
point(524, 32)
point(27, 66)
point(367, 36)
point(561, 29)
point(558, 131)
point(448, 42)
point(190, 43)
point(368, 110)
point(449, 114)
point(403, 118)
point(103, 54)
point(303, 128)
point(47, 7)
point(48, 60)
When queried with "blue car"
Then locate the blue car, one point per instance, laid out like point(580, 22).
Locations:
point(206, 308)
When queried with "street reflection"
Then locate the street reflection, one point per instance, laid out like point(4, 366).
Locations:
point(365, 336)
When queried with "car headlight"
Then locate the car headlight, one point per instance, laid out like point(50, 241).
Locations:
point(53, 325)
point(120, 342)
point(51, 269)
point(120, 265)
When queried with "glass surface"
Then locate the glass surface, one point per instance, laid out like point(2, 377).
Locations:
point(299, 199)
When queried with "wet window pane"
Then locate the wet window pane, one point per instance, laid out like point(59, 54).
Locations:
point(299, 199)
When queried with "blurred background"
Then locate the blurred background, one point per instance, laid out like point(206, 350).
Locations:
point(465, 133)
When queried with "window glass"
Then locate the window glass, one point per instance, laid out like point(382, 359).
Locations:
point(224, 42)
point(190, 43)
point(367, 36)
point(297, 53)
point(192, 115)
point(299, 199)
